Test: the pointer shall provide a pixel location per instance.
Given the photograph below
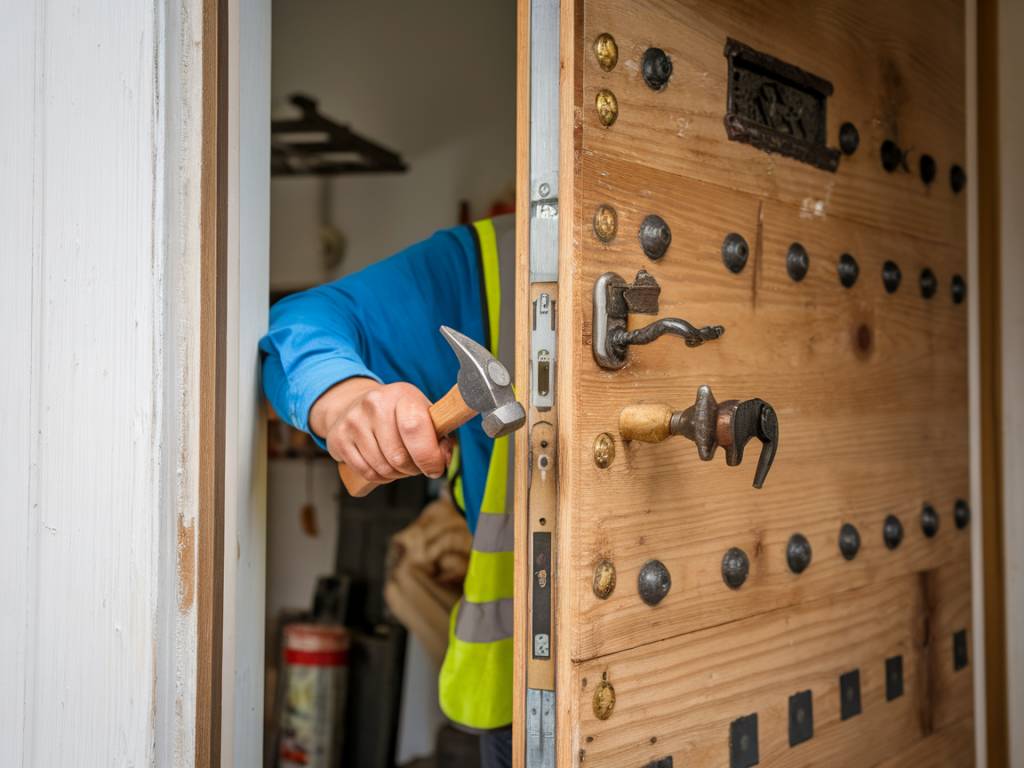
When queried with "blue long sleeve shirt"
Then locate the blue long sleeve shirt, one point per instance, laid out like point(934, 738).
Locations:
point(382, 323)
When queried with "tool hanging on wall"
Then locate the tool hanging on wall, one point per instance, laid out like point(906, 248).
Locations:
point(316, 145)
point(709, 424)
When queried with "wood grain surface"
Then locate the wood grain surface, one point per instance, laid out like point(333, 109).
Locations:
point(870, 388)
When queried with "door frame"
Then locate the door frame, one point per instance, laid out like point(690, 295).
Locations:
point(234, 277)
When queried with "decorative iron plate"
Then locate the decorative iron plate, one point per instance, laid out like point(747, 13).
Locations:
point(849, 694)
point(801, 718)
point(959, 649)
point(743, 742)
point(777, 107)
point(893, 678)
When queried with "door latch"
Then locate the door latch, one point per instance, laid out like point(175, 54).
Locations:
point(615, 299)
point(730, 424)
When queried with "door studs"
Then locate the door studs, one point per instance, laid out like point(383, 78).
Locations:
point(607, 107)
point(849, 541)
point(929, 520)
point(735, 252)
point(892, 532)
point(655, 236)
point(615, 299)
point(735, 567)
point(654, 582)
point(607, 51)
point(656, 67)
point(606, 223)
point(798, 553)
point(604, 579)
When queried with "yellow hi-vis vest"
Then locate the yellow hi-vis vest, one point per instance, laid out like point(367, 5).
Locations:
point(475, 687)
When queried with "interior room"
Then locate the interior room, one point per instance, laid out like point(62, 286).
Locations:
point(374, 147)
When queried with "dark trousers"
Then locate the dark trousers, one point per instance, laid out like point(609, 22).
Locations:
point(496, 749)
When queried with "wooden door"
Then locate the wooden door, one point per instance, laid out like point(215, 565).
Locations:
point(805, 161)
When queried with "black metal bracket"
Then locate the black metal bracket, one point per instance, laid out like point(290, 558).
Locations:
point(316, 145)
point(615, 299)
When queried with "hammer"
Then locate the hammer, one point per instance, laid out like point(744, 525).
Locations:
point(483, 386)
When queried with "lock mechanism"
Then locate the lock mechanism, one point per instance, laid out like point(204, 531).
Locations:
point(730, 424)
point(615, 299)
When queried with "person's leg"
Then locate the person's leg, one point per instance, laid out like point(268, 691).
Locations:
point(496, 749)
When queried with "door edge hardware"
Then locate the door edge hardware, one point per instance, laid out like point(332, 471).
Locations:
point(615, 299)
point(543, 351)
point(709, 424)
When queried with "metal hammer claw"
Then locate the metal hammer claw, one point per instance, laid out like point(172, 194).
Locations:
point(483, 386)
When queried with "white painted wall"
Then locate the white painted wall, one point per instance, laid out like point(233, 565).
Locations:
point(1011, 154)
point(99, 158)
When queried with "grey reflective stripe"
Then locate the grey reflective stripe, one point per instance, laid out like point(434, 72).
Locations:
point(505, 238)
point(494, 533)
point(484, 622)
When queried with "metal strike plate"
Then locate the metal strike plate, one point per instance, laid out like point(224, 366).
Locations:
point(542, 354)
point(893, 678)
point(540, 728)
point(544, 82)
point(959, 649)
point(849, 694)
point(743, 750)
point(542, 572)
point(801, 718)
point(777, 107)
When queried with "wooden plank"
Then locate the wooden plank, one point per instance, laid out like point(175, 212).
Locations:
point(898, 74)
point(213, 361)
point(952, 747)
point(990, 373)
point(522, 321)
point(854, 421)
point(678, 697)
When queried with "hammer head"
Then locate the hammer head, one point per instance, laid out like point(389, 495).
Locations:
point(485, 385)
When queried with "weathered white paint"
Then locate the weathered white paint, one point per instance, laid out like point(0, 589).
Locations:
point(98, 287)
point(1011, 180)
point(246, 454)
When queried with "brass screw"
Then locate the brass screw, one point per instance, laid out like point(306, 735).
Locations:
point(607, 107)
point(607, 51)
point(604, 700)
point(604, 450)
point(604, 579)
point(606, 223)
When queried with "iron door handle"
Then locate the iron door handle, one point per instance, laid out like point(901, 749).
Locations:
point(710, 424)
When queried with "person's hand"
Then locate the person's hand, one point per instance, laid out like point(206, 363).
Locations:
point(382, 431)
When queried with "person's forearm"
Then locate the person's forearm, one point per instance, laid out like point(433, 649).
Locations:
point(335, 401)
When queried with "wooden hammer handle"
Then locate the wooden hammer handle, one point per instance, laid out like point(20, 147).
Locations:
point(448, 414)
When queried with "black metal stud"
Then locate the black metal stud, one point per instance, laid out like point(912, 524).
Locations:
point(891, 276)
point(959, 289)
point(735, 252)
point(957, 179)
point(961, 514)
point(928, 283)
point(849, 138)
point(892, 531)
point(735, 567)
point(892, 155)
point(743, 742)
point(798, 553)
point(656, 67)
point(929, 520)
point(893, 678)
point(849, 694)
point(801, 718)
point(655, 236)
point(797, 262)
point(848, 270)
point(665, 762)
point(959, 649)
point(849, 541)
point(654, 582)
point(926, 167)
